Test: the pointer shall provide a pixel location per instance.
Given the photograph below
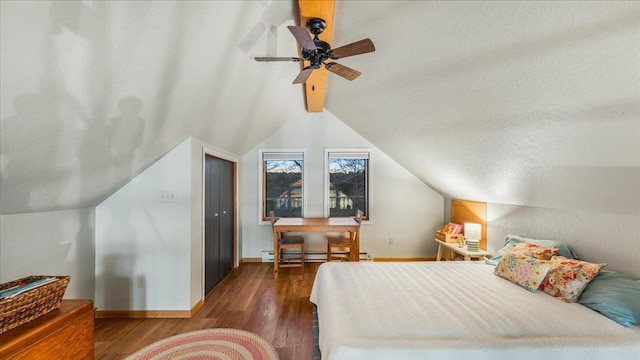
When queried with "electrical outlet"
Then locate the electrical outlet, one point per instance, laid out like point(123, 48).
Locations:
point(140, 282)
point(391, 241)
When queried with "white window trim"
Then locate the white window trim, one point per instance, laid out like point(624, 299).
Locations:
point(260, 179)
point(368, 151)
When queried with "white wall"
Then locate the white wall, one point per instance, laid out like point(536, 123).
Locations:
point(50, 243)
point(402, 206)
point(595, 236)
point(140, 237)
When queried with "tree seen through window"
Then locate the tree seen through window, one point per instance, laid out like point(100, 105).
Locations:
point(283, 188)
point(347, 186)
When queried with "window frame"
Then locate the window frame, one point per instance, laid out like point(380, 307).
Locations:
point(264, 218)
point(367, 218)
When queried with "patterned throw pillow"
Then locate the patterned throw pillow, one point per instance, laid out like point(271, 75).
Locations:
point(536, 251)
point(567, 278)
point(525, 271)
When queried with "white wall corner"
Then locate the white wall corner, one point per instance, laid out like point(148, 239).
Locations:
point(143, 243)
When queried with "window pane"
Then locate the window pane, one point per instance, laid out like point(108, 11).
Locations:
point(283, 187)
point(347, 187)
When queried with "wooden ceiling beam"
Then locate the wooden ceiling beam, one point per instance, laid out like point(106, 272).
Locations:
point(315, 88)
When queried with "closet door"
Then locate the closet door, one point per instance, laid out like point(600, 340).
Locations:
point(219, 219)
point(212, 224)
point(226, 216)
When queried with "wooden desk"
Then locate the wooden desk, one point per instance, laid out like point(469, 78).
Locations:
point(65, 333)
point(347, 224)
point(468, 255)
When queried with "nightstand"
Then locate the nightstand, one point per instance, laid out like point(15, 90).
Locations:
point(468, 255)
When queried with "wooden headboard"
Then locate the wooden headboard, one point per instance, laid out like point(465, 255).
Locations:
point(463, 211)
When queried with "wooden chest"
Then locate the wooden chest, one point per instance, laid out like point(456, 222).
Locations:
point(66, 333)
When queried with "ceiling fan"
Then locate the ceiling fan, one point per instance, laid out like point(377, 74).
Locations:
point(318, 52)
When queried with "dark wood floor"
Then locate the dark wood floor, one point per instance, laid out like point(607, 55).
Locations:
point(248, 298)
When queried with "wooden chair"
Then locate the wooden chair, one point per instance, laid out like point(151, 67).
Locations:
point(289, 242)
point(349, 242)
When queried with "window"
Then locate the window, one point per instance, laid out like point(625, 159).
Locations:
point(282, 187)
point(347, 185)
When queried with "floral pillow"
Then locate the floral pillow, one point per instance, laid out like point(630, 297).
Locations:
point(567, 278)
point(523, 270)
point(510, 241)
point(536, 251)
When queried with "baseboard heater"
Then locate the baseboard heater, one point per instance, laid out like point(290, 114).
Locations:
point(267, 256)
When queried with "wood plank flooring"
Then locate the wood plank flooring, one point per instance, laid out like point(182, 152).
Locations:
point(248, 298)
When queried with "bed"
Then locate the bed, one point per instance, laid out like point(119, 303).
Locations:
point(454, 310)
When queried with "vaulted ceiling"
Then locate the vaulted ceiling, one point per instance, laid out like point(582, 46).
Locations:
point(527, 103)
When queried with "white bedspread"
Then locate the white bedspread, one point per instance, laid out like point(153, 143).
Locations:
point(454, 310)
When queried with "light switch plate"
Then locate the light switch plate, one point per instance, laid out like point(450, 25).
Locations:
point(168, 195)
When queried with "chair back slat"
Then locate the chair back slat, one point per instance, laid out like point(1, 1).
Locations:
point(273, 218)
point(358, 218)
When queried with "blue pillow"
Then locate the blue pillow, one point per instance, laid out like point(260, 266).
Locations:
point(614, 295)
point(510, 241)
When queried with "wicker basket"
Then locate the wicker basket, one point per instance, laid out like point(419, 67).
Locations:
point(29, 305)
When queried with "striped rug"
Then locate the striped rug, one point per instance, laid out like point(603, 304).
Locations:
point(227, 344)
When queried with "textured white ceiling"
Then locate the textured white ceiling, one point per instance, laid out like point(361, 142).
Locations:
point(528, 103)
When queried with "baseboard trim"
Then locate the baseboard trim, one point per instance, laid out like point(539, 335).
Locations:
point(393, 259)
point(196, 307)
point(250, 260)
point(313, 256)
point(143, 314)
point(149, 314)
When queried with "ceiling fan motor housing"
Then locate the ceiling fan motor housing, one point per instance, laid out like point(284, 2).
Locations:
point(318, 56)
point(316, 26)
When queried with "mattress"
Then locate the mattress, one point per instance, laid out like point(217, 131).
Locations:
point(453, 310)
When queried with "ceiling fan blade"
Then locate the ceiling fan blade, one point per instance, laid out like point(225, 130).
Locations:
point(346, 72)
point(356, 48)
point(303, 37)
point(270, 58)
point(303, 76)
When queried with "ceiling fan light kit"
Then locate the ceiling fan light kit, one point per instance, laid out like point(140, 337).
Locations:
point(318, 52)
